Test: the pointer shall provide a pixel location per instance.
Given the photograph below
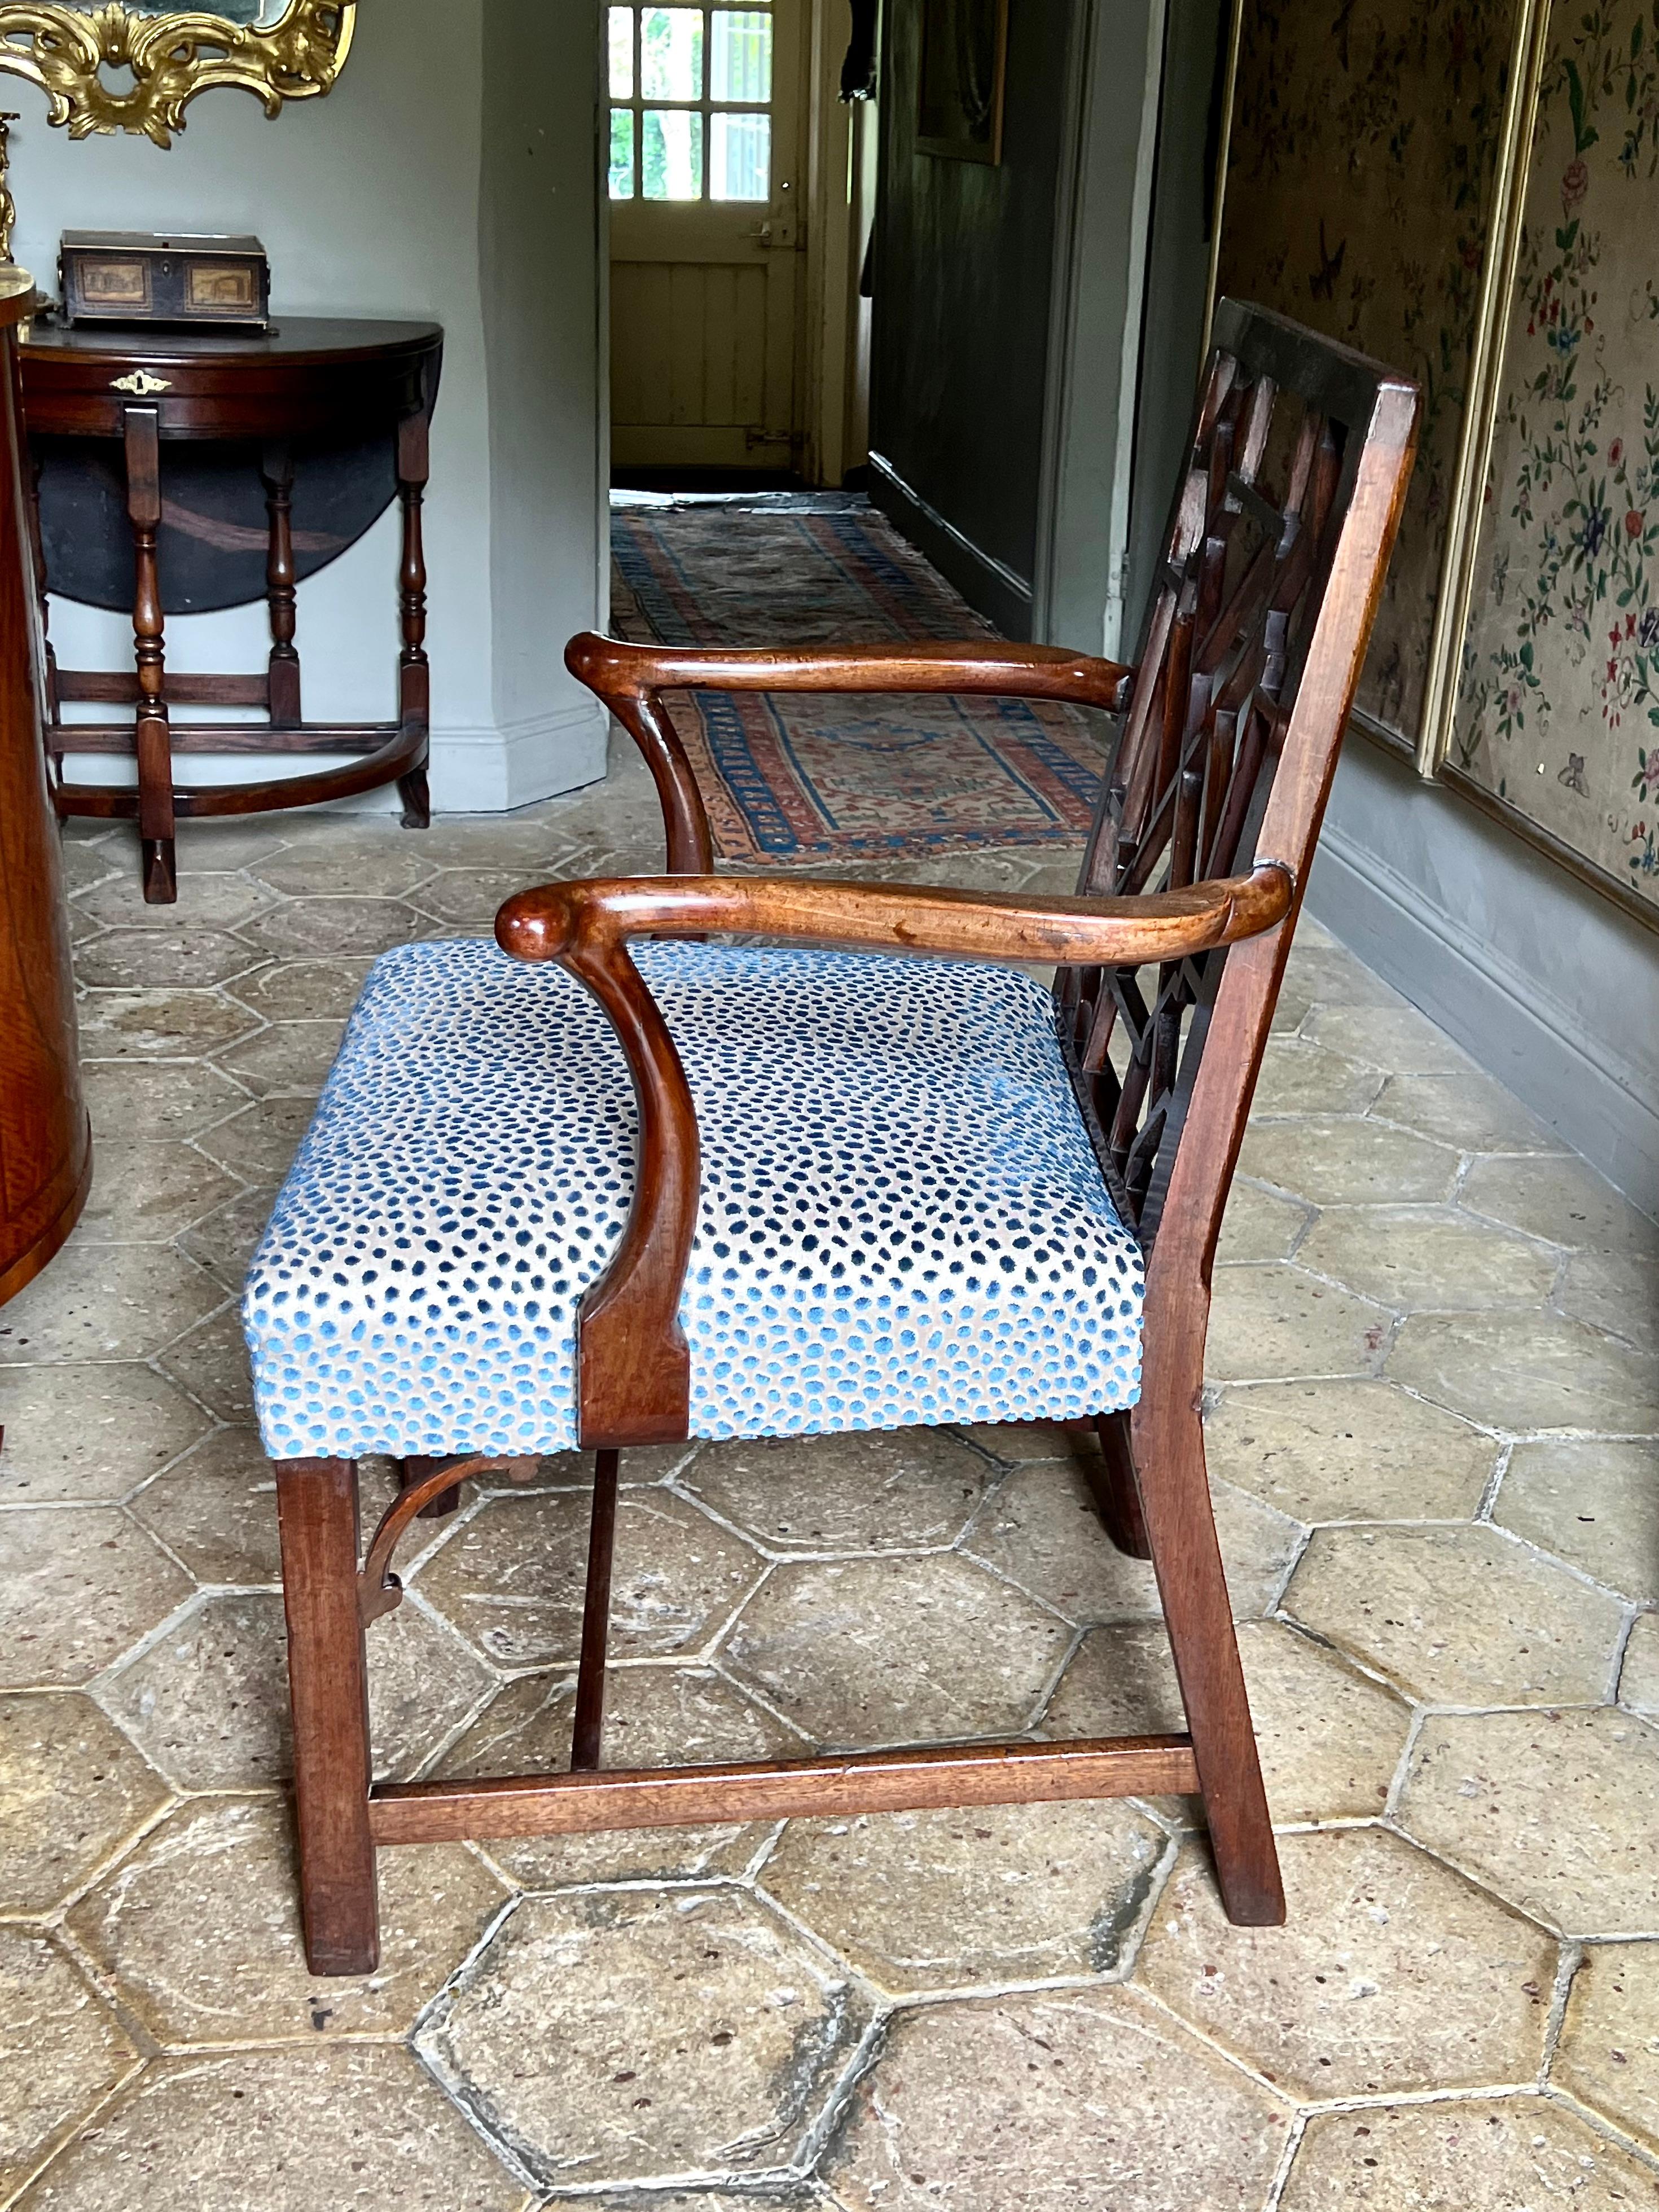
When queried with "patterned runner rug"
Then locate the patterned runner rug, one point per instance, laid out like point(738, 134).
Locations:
point(794, 778)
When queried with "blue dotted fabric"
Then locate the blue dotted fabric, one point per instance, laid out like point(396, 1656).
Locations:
point(901, 1220)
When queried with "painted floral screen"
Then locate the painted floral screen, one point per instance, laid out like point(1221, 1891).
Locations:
point(1363, 144)
point(1558, 713)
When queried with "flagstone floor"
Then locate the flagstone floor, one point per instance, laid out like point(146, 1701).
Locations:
point(1435, 1362)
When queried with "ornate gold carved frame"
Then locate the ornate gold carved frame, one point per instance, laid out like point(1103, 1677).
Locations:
point(68, 51)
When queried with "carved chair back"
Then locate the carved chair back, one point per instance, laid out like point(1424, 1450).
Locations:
point(1300, 454)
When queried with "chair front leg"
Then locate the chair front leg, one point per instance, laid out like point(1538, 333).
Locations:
point(328, 1689)
point(1168, 1442)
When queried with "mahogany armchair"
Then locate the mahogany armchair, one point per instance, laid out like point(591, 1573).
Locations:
point(597, 1194)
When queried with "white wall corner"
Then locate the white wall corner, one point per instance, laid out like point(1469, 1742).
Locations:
point(494, 769)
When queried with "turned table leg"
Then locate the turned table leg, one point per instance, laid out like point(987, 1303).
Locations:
point(414, 676)
point(277, 471)
point(153, 742)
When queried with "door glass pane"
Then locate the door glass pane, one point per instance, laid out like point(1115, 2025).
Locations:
point(670, 155)
point(671, 53)
point(622, 153)
point(739, 157)
point(622, 53)
point(741, 60)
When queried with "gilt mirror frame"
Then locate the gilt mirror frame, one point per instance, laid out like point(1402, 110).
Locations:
point(172, 57)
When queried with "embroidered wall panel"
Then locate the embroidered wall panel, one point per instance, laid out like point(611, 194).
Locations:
point(1361, 157)
point(1558, 711)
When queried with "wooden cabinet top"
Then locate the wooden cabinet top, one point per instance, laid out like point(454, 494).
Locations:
point(308, 376)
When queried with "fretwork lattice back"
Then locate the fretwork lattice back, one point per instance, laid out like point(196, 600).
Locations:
point(1237, 595)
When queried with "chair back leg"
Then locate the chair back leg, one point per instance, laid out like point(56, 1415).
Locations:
point(328, 1689)
point(588, 1728)
point(1168, 1436)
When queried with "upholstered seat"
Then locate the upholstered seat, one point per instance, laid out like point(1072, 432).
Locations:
point(901, 1218)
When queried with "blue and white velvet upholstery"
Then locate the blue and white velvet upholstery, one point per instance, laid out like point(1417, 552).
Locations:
point(901, 1220)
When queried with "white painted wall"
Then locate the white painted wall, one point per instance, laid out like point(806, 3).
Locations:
point(408, 193)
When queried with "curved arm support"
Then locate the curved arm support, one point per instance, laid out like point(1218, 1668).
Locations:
point(633, 1363)
point(379, 1591)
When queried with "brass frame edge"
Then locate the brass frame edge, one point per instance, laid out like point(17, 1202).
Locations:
point(1453, 601)
point(61, 50)
point(1224, 152)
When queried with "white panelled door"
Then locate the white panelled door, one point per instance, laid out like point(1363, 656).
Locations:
point(705, 137)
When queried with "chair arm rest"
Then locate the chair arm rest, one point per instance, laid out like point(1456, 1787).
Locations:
point(573, 921)
point(614, 668)
point(633, 1363)
point(629, 678)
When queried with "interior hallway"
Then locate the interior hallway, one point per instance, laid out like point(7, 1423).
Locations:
point(1435, 1400)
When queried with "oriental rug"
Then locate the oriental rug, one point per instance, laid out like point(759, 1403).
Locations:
point(794, 778)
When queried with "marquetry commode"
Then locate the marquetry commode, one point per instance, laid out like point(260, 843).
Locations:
point(148, 446)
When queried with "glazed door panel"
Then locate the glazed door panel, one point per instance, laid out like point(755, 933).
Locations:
point(705, 235)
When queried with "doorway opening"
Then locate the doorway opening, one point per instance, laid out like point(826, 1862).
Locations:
point(741, 194)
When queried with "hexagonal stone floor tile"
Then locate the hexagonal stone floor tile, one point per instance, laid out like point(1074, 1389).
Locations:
point(208, 1702)
point(891, 1650)
point(1596, 1503)
point(134, 1100)
point(1458, 1616)
point(1348, 1450)
point(304, 990)
point(1527, 1371)
point(632, 2035)
point(1390, 1036)
point(1260, 1224)
point(511, 1579)
point(1555, 1811)
point(1043, 1531)
point(1638, 1681)
point(224, 1241)
point(288, 1060)
point(148, 959)
point(1469, 1111)
point(653, 1717)
point(1300, 1078)
point(1473, 2155)
point(1417, 1259)
point(159, 1024)
point(87, 1435)
point(1618, 1291)
point(1274, 1321)
point(72, 1791)
point(283, 2130)
point(1563, 1200)
point(212, 1364)
point(105, 1302)
point(1329, 1740)
point(1608, 2053)
point(199, 1929)
point(325, 925)
point(1050, 2102)
point(215, 1511)
point(78, 1586)
point(259, 1143)
point(61, 2055)
point(953, 1900)
point(1328, 1164)
point(897, 1490)
point(145, 1193)
point(1391, 1972)
point(386, 870)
